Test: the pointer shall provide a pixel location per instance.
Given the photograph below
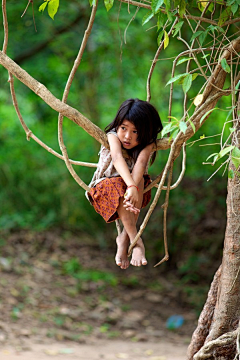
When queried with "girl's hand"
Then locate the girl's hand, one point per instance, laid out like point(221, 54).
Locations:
point(129, 207)
point(131, 195)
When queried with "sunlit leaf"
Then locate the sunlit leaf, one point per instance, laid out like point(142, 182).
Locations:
point(183, 126)
point(108, 4)
point(53, 8)
point(147, 17)
point(175, 78)
point(184, 59)
point(42, 7)
point(225, 151)
point(166, 39)
point(156, 4)
point(198, 99)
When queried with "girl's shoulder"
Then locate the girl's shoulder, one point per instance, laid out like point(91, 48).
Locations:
point(112, 132)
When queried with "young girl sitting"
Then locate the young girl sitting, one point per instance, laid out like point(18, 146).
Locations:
point(122, 173)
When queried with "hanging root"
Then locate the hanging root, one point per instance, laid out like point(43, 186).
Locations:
point(165, 206)
point(65, 96)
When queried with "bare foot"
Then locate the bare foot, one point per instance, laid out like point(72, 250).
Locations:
point(121, 257)
point(138, 254)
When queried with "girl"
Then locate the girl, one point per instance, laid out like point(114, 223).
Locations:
point(121, 176)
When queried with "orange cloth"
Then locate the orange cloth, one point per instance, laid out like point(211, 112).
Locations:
point(106, 194)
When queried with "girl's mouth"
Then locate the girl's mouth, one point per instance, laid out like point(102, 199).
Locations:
point(126, 143)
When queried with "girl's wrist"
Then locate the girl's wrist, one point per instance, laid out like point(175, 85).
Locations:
point(133, 186)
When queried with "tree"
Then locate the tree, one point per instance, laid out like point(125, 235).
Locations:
point(217, 65)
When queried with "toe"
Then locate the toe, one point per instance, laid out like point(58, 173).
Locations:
point(118, 261)
point(144, 261)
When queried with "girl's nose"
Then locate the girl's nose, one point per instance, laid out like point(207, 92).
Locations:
point(128, 135)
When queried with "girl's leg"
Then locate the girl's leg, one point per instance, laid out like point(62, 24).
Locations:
point(129, 232)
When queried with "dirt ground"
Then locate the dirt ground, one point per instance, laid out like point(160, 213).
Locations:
point(106, 350)
point(63, 300)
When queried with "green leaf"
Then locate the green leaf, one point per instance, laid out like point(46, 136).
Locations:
point(182, 8)
point(184, 59)
point(160, 35)
point(166, 39)
point(162, 18)
point(202, 37)
point(168, 128)
point(210, 156)
point(225, 151)
point(108, 4)
point(196, 34)
point(224, 16)
point(236, 157)
point(156, 4)
point(234, 8)
point(225, 66)
point(53, 8)
point(194, 76)
point(173, 135)
point(43, 6)
point(183, 126)
point(177, 28)
point(231, 174)
point(187, 82)
point(192, 125)
point(175, 78)
point(149, 15)
point(207, 113)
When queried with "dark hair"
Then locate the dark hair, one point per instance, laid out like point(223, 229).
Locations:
point(144, 117)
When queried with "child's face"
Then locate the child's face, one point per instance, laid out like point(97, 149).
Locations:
point(127, 134)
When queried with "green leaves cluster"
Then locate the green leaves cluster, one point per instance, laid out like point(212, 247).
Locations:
point(175, 126)
point(184, 79)
point(52, 6)
point(235, 157)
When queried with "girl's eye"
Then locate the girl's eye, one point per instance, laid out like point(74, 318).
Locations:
point(135, 131)
point(123, 127)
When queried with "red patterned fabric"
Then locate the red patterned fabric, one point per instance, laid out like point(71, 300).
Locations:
point(106, 194)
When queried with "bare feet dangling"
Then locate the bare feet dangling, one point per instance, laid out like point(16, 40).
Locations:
point(138, 254)
point(121, 257)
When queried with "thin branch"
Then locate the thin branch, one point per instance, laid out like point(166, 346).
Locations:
point(158, 193)
point(65, 96)
point(5, 25)
point(172, 187)
point(197, 18)
point(155, 60)
point(165, 206)
point(29, 133)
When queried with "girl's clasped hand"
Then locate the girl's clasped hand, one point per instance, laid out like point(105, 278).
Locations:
point(122, 174)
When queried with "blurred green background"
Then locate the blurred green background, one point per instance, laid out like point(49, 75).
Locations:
point(37, 191)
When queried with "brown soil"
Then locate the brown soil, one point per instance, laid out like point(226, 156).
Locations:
point(50, 306)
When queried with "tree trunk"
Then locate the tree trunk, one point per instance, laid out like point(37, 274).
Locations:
point(227, 309)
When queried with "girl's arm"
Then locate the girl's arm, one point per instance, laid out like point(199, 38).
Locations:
point(141, 163)
point(122, 168)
